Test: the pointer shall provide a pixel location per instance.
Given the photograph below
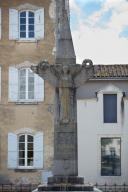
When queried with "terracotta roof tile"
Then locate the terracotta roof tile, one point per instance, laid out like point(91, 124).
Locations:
point(110, 71)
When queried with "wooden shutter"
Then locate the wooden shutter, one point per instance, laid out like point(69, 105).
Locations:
point(39, 24)
point(39, 88)
point(38, 151)
point(13, 84)
point(12, 150)
point(0, 23)
point(13, 24)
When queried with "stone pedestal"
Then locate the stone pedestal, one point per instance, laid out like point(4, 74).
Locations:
point(56, 180)
point(66, 188)
point(65, 76)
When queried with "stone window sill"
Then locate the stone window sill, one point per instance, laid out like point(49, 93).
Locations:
point(24, 170)
point(27, 103)
point(27, 41)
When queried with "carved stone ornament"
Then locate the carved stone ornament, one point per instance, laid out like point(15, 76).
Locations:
point(25, 131)
point(27, 6)
point(25, 64)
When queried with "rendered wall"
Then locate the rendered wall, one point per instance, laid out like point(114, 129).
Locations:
point(91, 129)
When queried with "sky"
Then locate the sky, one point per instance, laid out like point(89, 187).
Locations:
point(100, 30)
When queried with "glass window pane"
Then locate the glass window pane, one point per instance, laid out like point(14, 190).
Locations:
point(22, 84)
point(30, 138)
point(30, 146)
point(31, 28)
point(21, 154)
point(22, 34)
point(31, 95)
point(110, 108)
point(23, 80)
point(110, 156)
point(21, 162)
point(31, 88)
point(30, 73)
point(22, 88)
point(23, 14)
point(22, 138)
point(22, 27)
point(21, 146)
point(31, 14)
point(31, 35)
point(22, 72)
point(31, 80)
point(30, 162)
point(31, 20)
point(22, 95)
point(22, 20)
point(30, 154)
point(31, 85)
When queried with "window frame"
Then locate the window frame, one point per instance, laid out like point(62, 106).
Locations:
point(108, 122)
point(103, 175)
point(26, 152)
point(27, 25)
point(109, 89)
point(26, 85)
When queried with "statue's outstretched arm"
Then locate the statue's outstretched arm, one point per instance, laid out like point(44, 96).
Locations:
point(45, 70)
point(85, 73)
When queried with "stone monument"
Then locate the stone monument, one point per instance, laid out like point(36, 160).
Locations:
point(65, 76)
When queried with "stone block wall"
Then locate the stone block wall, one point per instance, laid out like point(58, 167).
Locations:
point(34, 116)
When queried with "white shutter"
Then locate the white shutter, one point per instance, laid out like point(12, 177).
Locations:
point(39, 24)
point(12, 150)
point(38, 150)
point(39, 88)
point(13, 84)
point(13, 24)
point(0, 24)
point(0, 82)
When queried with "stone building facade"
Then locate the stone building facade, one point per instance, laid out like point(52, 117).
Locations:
point(27, 35)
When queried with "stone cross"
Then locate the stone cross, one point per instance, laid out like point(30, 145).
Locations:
point(65, 76)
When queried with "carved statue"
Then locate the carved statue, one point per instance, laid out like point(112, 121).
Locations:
point(66, 78)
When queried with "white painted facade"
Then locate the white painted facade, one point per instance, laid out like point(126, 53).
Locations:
point(91, 129)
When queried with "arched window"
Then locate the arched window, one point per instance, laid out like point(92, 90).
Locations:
point(26, 84)
point(26, 150)
point(27, 25)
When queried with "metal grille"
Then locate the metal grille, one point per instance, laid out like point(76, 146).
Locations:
point(17, 188)
point(112, 188)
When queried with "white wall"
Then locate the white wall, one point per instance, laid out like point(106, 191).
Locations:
point(90, 130)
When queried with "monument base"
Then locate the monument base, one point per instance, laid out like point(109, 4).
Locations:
point(65, 188)
point(65, 180)
point(70, 183)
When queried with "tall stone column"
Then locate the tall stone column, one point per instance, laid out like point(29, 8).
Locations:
point(65, 76)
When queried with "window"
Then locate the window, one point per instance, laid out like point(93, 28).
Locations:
point(110, 156)
point(26, 84)
point(26, 153)
point(110, 108)
point(27, 24)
